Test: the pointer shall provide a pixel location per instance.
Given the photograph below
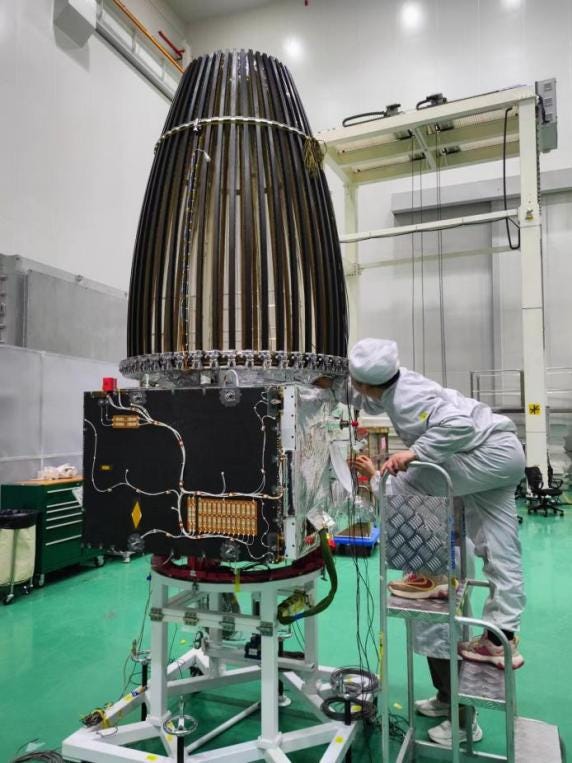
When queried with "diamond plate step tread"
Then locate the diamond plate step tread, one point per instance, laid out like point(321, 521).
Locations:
point(417, 533)
point(483, 682)
point(536, 741)
point(430, 609)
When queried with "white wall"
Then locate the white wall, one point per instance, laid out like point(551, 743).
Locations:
point(77, 129)
point(349, 57)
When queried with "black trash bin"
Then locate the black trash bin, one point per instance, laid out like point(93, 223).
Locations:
point(17, 550)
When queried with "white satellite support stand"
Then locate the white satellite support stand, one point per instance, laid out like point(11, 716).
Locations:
point(106, 743)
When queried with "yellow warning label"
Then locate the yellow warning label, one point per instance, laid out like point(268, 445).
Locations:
point(136, 515)
point(534, 409)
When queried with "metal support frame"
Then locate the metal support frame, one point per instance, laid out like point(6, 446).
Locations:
point(434, 225)
point(532, 292)
point(350, 154)
point(106, 742)
point(351, 259)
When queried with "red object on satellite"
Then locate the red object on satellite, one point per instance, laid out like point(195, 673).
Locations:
point(109, 384)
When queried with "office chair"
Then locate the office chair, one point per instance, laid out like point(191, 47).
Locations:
point(520, 494)
point(544, 498)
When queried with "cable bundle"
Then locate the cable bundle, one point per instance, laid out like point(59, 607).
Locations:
point(47, 756)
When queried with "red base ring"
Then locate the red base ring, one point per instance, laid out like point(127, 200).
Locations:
point(210, 571)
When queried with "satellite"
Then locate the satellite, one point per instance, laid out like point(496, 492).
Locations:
point(237, 304)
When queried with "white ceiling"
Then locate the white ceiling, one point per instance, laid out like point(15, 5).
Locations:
point(196, 10)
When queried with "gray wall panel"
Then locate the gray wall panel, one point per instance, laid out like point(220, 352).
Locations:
point(72, 319)
point(20, 402)
point(41, 408)
point(45, 308)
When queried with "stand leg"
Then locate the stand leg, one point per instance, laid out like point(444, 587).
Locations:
point(269, 673)
point(282, 699)
point(159, 655)
point(310, 633)
point(144, 683)
point(215, 634)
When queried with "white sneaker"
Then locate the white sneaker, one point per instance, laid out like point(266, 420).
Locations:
point(432, 708)
point(442, 734)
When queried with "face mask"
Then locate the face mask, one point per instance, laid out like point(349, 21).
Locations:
point(373, 403)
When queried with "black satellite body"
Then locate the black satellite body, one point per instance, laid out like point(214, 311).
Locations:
point(237, 303)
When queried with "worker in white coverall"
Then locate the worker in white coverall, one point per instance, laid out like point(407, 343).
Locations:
point(484, 460)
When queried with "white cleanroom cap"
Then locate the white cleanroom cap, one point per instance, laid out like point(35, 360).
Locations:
point(374, 361)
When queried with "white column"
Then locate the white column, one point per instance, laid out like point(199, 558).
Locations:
point(157, 691)
point(532, 293)
point(351, 260)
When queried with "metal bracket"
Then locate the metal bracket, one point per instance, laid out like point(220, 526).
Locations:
point(137, 396)
point(288, 419)
point(266, 629)
point(190, 617)
point(229, 396)
point(156, 614)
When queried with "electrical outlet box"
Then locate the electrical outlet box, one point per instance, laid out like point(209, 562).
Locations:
point(548, 117)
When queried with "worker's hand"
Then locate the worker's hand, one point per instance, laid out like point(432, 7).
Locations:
point(398, 462)
point(363, 465)
point(323, 382)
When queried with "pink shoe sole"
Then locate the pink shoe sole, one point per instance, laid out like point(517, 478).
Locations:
point(498, 662)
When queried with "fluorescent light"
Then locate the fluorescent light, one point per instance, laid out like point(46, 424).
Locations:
point(293, 48)
point(411, 15)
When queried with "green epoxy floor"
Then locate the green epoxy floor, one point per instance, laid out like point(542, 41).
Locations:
point(62, 649)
